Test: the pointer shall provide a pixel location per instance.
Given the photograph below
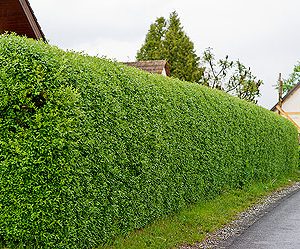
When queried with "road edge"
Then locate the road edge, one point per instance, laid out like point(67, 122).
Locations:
point(225, 236)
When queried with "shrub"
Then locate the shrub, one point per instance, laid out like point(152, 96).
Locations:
point(91, 149)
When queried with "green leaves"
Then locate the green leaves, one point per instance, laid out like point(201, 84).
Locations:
point(91, 149)
point(229, 76)
point(293, 79)
point(166, 40)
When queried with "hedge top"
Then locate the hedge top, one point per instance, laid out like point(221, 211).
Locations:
point(91, 149)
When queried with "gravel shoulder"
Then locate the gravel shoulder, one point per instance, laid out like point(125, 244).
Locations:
point(225, 236)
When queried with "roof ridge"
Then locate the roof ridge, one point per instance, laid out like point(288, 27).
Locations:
point(24, 4)
point(151, 66)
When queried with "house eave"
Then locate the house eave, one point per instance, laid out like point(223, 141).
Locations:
point(289, 93)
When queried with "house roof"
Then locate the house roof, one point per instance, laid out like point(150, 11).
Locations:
point(289, 93)
point(17, 16)
point(154, 66)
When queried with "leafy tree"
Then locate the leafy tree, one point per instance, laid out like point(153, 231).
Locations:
point(293, 79)
point(166, 40)
point(230, 76)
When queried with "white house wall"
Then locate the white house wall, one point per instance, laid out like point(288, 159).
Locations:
point(292, 104)
point(164, 73)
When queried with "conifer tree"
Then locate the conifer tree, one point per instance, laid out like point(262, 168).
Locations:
point(153, 46)
point(166, 40)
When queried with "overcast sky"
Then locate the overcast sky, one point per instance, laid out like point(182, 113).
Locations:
point(262, 34)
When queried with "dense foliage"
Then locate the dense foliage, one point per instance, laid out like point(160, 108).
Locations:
point(91, 149)
point(166, 40)
point(229, 76)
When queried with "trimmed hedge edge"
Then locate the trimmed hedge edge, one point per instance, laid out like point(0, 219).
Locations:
point(91, 149)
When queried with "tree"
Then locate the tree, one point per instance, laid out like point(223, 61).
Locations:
point(230, 76)
point(293, 79)
point(153, 47)
point(166, 40)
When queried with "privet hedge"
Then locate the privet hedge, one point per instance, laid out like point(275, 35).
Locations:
point(91, 149)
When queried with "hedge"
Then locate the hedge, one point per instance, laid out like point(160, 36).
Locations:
point(91, 149)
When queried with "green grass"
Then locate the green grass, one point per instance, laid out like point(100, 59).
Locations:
point(193, 223)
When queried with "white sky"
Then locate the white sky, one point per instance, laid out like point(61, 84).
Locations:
point(263, 34)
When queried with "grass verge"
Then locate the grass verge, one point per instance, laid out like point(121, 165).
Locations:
point(193, 223)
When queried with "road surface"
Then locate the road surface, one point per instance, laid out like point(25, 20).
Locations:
point(278, 229)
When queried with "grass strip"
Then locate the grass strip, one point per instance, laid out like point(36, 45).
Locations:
point(194, 222)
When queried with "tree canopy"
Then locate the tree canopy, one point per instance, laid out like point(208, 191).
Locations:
point(166, 40)
point(153, 48)
point(230, 76)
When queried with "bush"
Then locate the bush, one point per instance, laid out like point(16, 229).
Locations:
point(91, 149)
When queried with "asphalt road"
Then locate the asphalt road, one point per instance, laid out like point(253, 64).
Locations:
point(278, 229)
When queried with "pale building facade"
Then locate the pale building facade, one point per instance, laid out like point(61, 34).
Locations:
point(290, 106)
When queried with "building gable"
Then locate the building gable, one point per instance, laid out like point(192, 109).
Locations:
point(289, 95)
point(17, 16)
point(290, 106)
